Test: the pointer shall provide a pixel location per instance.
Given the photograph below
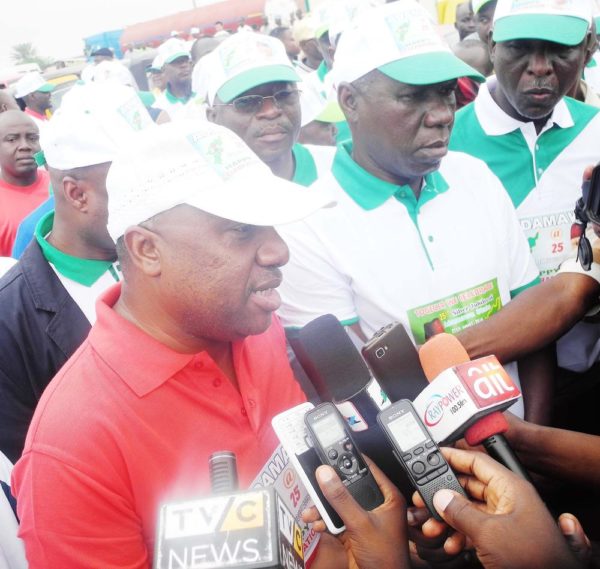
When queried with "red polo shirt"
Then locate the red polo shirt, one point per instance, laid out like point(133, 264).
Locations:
point(15, 203)
point(128, 424)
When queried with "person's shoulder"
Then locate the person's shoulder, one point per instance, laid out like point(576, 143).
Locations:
point(57, 416)
point(456, 160)
point(467, 173)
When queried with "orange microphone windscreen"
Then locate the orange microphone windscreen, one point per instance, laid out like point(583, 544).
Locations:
point(441, 352)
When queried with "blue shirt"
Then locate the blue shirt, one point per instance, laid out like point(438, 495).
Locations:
point(26, 229)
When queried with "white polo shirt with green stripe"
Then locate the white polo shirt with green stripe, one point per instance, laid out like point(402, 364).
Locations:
point(542, 173)
point(451, 258)
point(311, 162)
point(83, 279)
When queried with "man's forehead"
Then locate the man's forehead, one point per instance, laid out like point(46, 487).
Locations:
point(16, 122)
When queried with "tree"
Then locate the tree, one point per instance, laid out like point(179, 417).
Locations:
point(27, 53)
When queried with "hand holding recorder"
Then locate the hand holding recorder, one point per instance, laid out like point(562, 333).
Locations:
point(506, 521)
point(372, 540)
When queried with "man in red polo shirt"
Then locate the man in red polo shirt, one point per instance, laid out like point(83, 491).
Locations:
point(22, 185)
point(186, 357)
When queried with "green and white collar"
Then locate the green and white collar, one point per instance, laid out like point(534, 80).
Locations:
point(305, 169)
point(495, 122)
point(174, 100)
point(370, 192)
point(82, 271)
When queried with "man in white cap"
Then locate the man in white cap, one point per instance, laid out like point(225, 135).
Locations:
point(185, 358)
point(413, 238)
point(47, 299)
point(174, 60)
point(252, 89)
point(35, 92)
point(535, 140)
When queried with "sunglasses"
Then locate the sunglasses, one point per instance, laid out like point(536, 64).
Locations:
point(250, 104)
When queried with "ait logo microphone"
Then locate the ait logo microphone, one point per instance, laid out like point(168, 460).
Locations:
point(229, 529)
point(462, 393)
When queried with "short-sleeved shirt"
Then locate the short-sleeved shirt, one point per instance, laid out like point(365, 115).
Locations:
point(379, 255)
point(542, 173)
point(176, 107)
point(15, 203)
point(128, 424)
point(446, 261)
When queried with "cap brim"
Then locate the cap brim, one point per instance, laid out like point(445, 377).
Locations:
point(567, 30)
point(276, 202)
point(429, 68)
point(172, 58)
point(254, 77)
point(47, 88)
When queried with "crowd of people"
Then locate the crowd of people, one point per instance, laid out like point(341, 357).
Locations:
point(157, 247)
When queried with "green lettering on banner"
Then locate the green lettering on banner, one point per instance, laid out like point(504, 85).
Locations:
point(455, 312)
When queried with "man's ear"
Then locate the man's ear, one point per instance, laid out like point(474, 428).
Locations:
point(348, 101)
point(143, 248)
point(75, 193)
point(491, 46)
point(591, 45)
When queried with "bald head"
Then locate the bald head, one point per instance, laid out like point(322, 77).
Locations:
point(203, 46)
point(19, 141)
point(7, 102)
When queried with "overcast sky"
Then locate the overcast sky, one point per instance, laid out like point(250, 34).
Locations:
point(56, 27)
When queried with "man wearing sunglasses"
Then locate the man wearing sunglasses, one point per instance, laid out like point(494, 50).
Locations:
point(253, 90)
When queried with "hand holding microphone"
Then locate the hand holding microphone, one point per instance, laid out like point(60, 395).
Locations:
point(506, 522)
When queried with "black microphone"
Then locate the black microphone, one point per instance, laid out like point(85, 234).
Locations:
point(340, 375)
point(250, 529)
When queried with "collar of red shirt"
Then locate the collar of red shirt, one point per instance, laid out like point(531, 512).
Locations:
point(140, 360)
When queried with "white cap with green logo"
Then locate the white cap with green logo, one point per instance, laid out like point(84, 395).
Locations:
point(93, 121)
point(244, 61)
point(400, 40)
point(559, 21)
point(203, 165)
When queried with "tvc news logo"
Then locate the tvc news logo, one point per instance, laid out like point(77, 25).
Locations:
point(487, 382)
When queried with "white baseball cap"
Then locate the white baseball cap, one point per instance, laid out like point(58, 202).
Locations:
point(560, 21)
point(244, 61)
point(479, 4)
point(31, 82)
point(203, 165)
point(111, 70)
point(400, 40)
point(93, 121)
point(336, 15)
point(169, 51)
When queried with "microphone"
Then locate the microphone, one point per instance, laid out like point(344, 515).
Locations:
point(340, 375)
point(251, 529)
point(466, 397)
